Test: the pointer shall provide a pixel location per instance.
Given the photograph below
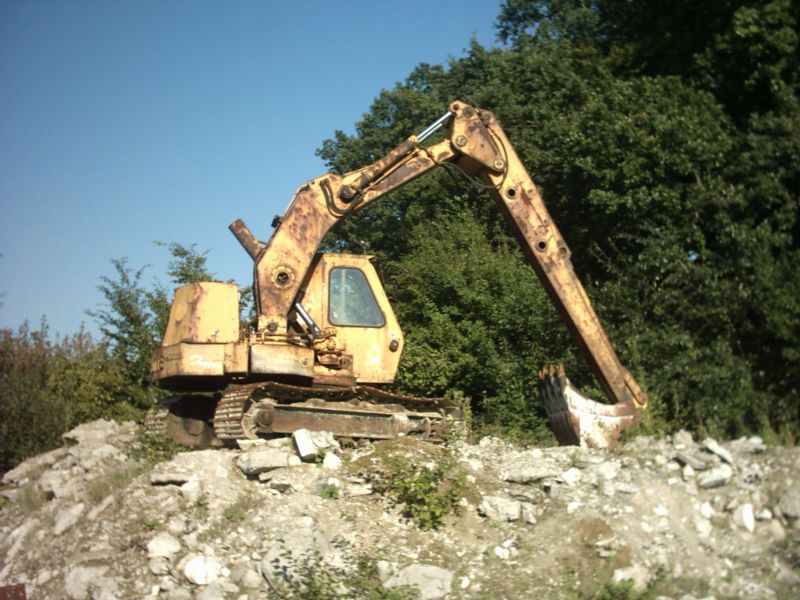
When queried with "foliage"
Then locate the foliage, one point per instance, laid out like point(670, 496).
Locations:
point(666, 142)
point(309, 577)
point(153, 447)
point(428, 493)
point(48, 387)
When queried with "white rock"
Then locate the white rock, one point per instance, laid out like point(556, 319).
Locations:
point(744, 518)
point(191, 490)
point(159, 565)
point(661, 510)
point(765, 514)
point(714, 447)
point(530, 471)
point(95, 511)
point(309, 443)
point(200, 569)
point(637, 573)
point(500, 509)
point(67, 518)
point(716, 477)
point(331, 462)
point(688, 473)
point(703, 527)
point(706, 510)
point(571, 476)
point(432, 582)
point(262, 459)
point(163, 544)
point(28, 468)
point(608, 470)
point(528, 513)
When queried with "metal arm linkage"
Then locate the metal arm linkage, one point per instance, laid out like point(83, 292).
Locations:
point(475, 142)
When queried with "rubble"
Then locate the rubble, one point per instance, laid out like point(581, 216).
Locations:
point(695, 519)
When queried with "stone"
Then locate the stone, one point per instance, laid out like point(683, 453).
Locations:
point(688, 473)
point(528, 513)
point(714, 447)
point(163, 544)
point(214, 591)
point(159, 565)
point(251, 580)
point(179, 593)
point(608, 470)
point(263, 459)
point(309, 443)
point(683, 439)
point(191, 490)
point(200, 569)
point(571, 476)
point(692, 460)
point(637, 573)
point(82, 582)
point(28, 468)
point(716, 477)
point(331, 462)
point(703, 527)
point(432, 582)
point(55, 484)
point(789, 503)
point(97, 510)
point(530, 472)
point(67, 518)
point(496, 508)
point(94, 433)
point(744, 518)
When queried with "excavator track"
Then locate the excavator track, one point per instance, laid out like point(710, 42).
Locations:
point(250, 410)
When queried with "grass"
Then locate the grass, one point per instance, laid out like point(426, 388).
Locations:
point(309, 577)
point(31, 498)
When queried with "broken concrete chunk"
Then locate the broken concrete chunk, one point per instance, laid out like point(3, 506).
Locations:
point(431, 581)
point(500, 509)
point(310, 444)
point(714, 447)
point(258, 461)
point(715, 477)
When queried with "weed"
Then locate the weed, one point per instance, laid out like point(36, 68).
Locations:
point(150, 524)
point(237, 512)
point(153, 448)
point(31, 498)
point(428, 492)
point(309, 577)
point(110, 483)
point(330, 491)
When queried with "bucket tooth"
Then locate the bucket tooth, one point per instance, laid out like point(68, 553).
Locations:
point(578, 420)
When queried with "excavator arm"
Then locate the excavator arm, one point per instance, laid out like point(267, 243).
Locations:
point(475, 142)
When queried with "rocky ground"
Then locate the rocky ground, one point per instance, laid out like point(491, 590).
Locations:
point(672, 518)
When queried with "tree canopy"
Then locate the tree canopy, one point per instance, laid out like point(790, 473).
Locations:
point(665, 137)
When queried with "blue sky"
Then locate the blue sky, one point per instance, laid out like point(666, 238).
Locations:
point(123, 123)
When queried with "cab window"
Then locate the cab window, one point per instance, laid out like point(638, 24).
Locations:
point(351, 301)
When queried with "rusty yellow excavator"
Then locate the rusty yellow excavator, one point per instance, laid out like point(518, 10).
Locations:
point(325, 334)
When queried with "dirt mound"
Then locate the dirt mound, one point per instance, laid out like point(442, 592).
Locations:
point(99, 518)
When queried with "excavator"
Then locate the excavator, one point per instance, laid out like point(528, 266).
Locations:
point(325, 340)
